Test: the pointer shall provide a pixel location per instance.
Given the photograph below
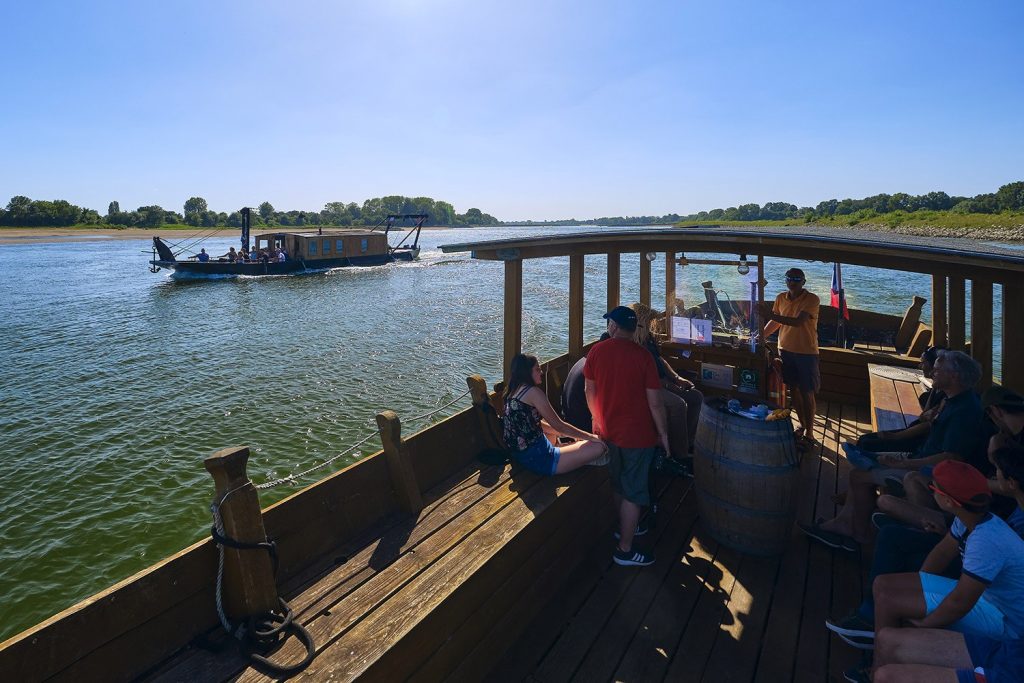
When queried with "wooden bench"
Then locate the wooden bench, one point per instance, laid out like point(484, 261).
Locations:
point(894, 396)
point(423, 591)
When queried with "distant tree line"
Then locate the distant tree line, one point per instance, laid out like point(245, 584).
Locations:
point(24, 212)
point(1008, 198)
point(667, 219)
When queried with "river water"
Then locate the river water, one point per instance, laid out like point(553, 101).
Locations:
point(118, 382)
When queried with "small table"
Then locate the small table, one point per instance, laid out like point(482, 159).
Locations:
point(894, 396)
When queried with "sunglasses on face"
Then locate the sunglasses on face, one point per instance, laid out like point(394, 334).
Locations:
point(936, 489)
point(794, 279)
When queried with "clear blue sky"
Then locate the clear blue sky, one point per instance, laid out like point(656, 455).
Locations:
point(529, 109)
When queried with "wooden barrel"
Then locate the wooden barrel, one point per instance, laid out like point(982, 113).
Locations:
point(746, 474)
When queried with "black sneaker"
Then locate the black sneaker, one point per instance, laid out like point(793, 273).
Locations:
point(858, 674)
point(880, 519)
point(829, 538)
point(633, 558)
point(641, 529)
point(854, 630)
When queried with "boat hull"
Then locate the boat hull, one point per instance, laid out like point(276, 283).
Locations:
point(222, 268)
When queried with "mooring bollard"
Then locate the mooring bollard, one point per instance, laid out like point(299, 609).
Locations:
point(249, 587)
point(490, 428)
point(403, 477)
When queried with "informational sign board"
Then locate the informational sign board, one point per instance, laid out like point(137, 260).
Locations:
point(691, 331)
point(719, 376)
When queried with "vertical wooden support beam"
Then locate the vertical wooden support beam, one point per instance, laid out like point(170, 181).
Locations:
point(940, 324)
point(513, 312)
point(981, 329)
point(761, 279)
point(645, 279)
point(575, 307)
point(957, 332)
point(1013, 333)
point(614, 287)
point(249, 585)
point(670, 288)
point(403, 477)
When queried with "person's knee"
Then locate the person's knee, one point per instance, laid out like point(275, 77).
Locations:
point(881, 589)
point(886, 674)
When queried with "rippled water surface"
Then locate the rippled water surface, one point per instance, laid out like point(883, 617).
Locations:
point(118, 382)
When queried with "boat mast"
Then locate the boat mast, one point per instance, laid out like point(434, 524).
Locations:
point(246, 212)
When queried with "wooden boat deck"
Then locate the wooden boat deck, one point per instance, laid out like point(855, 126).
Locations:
point(704, 612)
point(433, 597)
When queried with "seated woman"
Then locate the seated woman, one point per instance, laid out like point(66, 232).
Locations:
point(526, 409)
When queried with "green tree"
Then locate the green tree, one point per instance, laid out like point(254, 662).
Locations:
point(267, 211)
point(194, 208)
point(113, 208)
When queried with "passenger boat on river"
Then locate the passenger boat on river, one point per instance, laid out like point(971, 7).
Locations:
point(309, 250)
point(429, 561)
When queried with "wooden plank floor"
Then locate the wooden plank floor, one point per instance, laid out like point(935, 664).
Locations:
point(704, 612)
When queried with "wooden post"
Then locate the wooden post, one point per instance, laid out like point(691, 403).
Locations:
point(403, 478)
point(645, 279)
point(513, 312)
point(575, 307)
point(249, 585)
point(761, 279)
point(981, 330)
point(940, 324)
point(614, 269)
point(1013, 333)
point(487, 418)
point(670, 289)
point(957, 331)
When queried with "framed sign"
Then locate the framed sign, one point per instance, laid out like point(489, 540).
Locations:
point(714, 375)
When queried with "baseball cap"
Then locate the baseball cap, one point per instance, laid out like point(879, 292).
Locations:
point(1001, 397)
point(623, 316)
point(961, 482)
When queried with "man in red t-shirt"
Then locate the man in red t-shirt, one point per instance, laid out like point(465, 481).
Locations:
point(624, 395)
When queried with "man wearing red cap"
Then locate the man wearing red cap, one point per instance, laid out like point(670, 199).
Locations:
point(988, 599)
point(912, 654)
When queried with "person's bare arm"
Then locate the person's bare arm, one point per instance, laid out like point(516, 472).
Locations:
point(590, 391)
point(915, 463)
point(941, 555)
point(658, 413)
point(536, 398)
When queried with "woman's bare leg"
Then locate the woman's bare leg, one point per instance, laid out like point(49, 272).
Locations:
point(575, 455)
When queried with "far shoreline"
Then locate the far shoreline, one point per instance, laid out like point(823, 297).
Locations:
point(52, 235)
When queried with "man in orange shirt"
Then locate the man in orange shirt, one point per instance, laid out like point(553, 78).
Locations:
point(795, 315)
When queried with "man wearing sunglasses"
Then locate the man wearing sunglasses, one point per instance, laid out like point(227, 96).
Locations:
point(795, 316)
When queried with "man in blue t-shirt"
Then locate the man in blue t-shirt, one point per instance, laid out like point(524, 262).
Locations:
point(988, 599)
point(915, 653)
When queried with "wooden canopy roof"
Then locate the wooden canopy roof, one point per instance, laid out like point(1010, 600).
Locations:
point(938, 255)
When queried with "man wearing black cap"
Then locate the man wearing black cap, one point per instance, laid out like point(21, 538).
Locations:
point(795, 316)
point(1006, 409)
point(624, 395)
